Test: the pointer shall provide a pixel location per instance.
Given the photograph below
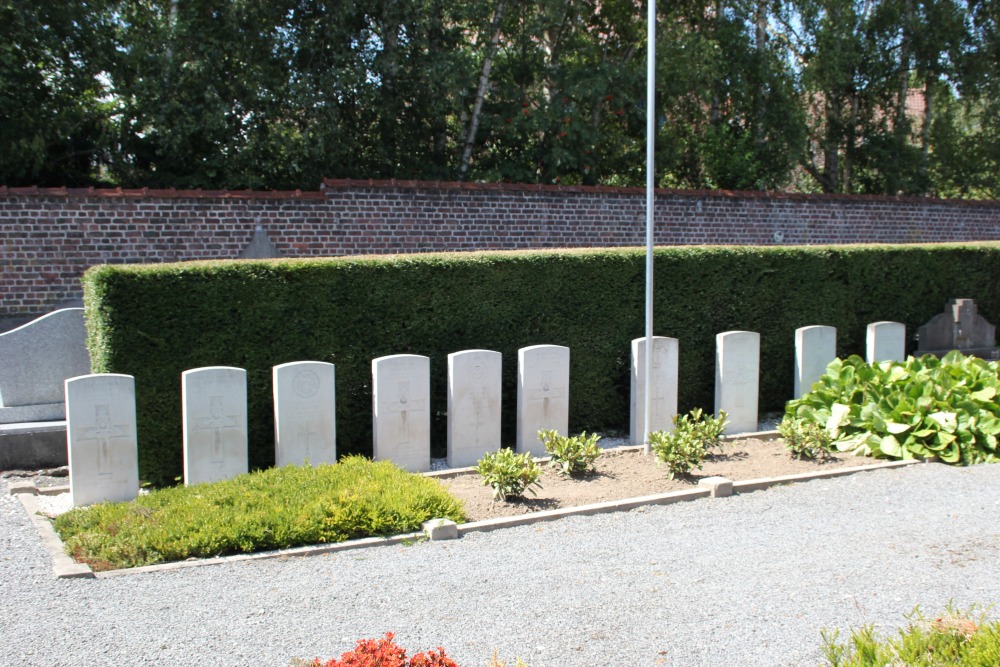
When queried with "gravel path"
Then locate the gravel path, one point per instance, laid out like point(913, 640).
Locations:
point(748, 580)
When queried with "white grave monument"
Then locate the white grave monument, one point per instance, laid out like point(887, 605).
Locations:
point(663, 386)
point(737, 371)
point(101, 438)
point(886, 342)
point(815, 348)
point(214, 401)
point(401, 416)
point(305, 426)
point(473, 406)
point(542, 394)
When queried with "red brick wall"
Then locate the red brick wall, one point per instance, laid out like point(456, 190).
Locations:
point(48, 237)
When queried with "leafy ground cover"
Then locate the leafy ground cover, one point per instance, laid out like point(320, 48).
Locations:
point(275, 508)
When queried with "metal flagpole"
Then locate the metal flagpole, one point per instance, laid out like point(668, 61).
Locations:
point(650, 141)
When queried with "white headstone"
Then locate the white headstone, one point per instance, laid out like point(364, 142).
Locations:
point(401, 416)
point(886, 342)
point(101, 437)
point(542, 394)
point(737, 371)
point(663, 386)
point(815, 348)
point(214, 401)
point(305, 404)
point(473, 406)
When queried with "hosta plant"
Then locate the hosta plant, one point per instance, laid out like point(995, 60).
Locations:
point(805, 440)
point(686, 447)
point(509, 474)
point(915, 409)
point(571, 455)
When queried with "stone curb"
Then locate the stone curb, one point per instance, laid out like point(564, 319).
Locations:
point(66, 567)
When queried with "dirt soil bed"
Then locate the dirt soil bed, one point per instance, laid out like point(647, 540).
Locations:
point(627, 473)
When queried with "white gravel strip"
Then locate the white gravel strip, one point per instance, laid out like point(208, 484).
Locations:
point(748, 580)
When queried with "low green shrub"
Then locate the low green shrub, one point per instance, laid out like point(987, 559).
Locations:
point(805, 440)
point(685, 448)
point(919, 408)
point(272, 509)
point(509, 474)
point(571, 454)
point(953, 638)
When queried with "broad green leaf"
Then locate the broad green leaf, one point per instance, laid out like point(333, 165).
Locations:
point(947, 420)
point(891, 447)
point(984, 394)
point(895, 428)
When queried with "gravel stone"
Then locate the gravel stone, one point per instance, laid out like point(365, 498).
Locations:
point(746, 580)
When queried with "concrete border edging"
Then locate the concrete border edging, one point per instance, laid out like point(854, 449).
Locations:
point(65, 567)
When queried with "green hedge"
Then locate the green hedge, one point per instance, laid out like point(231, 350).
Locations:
point(156, 321)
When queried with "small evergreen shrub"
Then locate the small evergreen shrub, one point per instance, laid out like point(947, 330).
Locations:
point(276, 508)
point(686, 447)
point(509, 474)
point(571, 455)
point(953, 638)
point(805, 440)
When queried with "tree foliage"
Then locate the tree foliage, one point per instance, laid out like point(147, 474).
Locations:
point(869, 96)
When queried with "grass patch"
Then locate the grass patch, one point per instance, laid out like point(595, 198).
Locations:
point(275, 508)
point(953, 638)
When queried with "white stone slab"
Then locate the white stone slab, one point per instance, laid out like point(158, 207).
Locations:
point(737, 378)
point(101, 438)
point(886, 342)
point(401, 415)
point(815, 348)
point(542, 394)
point(663, 385)
point(214, 401)
point(305, 406)
point(473, 405)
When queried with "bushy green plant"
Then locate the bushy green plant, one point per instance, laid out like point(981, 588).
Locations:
point(919, 408)
point(509, 474)
point(571, 454)
point(953, 638)
point(805, 440)
point(686, 447)
point(271, 509)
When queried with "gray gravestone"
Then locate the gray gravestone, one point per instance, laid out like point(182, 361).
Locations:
point(960, 327)
point(663, 386)
point(101, 439)
point(214, 401)
point(473, 405)
point(886, 341)
point(737, 373)
point(305, 403)
point(815, 348)
point(542, 394)
point(401, 415)
point(35, 361)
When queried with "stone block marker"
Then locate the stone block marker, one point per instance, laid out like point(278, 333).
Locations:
point(886, 342)
point(663, 386)
point(542, 394)
point(815, 348)
point(305, 404)
point(36, 359)
point(473, 406)
point(737, 378)
point(401, 415)
point(440, 529)
point(214, 403)
point(101, 438)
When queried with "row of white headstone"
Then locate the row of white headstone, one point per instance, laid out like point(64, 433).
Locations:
point(101, 424)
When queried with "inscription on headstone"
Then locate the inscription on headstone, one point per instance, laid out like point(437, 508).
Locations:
point(886, 341)
point(815, 348)
point(542, 394)
point(401, 418)
point(737, 370)
point(304, 413)
point(473, 405)
point(214, 402)
point(663, 385)
point(101, 438)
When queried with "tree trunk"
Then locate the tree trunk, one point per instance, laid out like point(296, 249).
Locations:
point(484, 82)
